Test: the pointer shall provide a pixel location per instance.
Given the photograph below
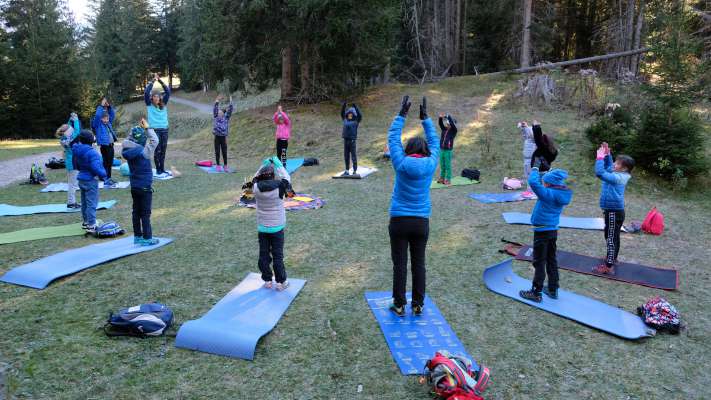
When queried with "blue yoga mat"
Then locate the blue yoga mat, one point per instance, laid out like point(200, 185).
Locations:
point(8, 210)
point(213, 170)
point(414, 340)
point(234, 325)
point(490, 198)
point(501, 279)
point(38, 274)
point(565, 222)
point(292, 164)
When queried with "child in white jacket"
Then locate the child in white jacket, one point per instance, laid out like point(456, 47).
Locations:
point(529, 146)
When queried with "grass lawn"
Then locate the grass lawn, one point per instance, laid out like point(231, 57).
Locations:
point(328, 343)
point(26, 147)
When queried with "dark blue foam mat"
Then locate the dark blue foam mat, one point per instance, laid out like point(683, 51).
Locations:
point(501, 279)
point(491, 198)
point(234, 325)
point(292, 164)
point(38, 274)
point(10, 210)
point(597, 224)
point(414, 340)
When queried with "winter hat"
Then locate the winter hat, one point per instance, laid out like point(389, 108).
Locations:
point(555, 177)
point(138, 135)
point(86, 137)
point(265, 172)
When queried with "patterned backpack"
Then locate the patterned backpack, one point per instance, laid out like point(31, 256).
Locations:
point(660, 315)
point(144, 320)
point(452, 377)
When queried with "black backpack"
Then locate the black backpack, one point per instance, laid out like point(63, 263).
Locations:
point(144, 320)
point(308, 162)
point(471, 173)
point(54, 163)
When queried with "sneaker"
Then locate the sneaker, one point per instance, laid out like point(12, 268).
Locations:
point(84, 225)
point(75, 205)
point(447, 182)
point(531, 295)
point(168, 173)
point(137, 240)
point(440, 181)
point(91, 228)
point(346, 173)
point(604, 269)
point(150, 242)
point(553, 294)
point(225, 169)
point(268, 284)
point(282, 286)
point(417, 310)
point(399, 311)
point(218, 168)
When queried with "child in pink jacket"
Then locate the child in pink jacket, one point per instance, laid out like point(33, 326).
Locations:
point(283, 132)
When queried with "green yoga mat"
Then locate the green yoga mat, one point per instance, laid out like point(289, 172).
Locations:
point(456, 181)
point(26, 235)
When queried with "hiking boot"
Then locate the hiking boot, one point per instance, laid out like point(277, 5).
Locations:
point(604, 269)
point(399, 311)
point(531, 295)
point(552, 293)
point(149, 242)
point(268, 284)
point(417, 310)
point(282, 286)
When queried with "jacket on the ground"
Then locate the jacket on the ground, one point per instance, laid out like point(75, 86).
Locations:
point(88, 162)
point(104, 132)
point(67, 141)
point(446, 140)
point(612, 195)
point(413, 176)
point(283, 127)
point(550, 204)
point(157, 118)
point(350, 126)
point(529, 144)
point(541, 148)
point(221, 126)
point(139, 160)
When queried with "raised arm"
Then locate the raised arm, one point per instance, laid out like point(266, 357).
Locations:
point(166, 92)
point(215, 108)
point(452, 125)
point(359, 116)
point(230, 108)
point(112, 115)
point(538, 136)
point(397, 153)
point(441, 124)
point(343, 110)
point(151, 144)
point(432, 138)
point(534, 182)
point(287, 121)
point(147, 93)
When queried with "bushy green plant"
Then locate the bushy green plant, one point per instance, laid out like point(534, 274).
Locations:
point(615, 129)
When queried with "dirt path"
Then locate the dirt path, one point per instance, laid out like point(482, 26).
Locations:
point(203, 108)
point(18, 169)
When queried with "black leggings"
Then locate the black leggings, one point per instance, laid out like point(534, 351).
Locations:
point(142, 199)
point(411, 232)
point(161, 149)
point(281, 146)
point(613, 225)
point(271, 251)
point(220, 145)
point(349, 154)
point(107, 155)
point(544, 260)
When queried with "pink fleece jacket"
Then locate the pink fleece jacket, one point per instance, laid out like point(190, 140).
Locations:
point(283, 130)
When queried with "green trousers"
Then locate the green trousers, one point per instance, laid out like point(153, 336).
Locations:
point(445, 164)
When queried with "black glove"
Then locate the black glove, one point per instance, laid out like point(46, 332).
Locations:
point(423, 109)
point(405, 106)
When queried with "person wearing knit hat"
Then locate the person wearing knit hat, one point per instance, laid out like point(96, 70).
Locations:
point(553, 195)
point(156, 106)
point(138, 150)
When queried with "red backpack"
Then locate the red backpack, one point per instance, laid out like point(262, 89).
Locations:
point(452, 377)
point(654, 222)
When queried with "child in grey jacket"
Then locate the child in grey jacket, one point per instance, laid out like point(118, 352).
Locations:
point(270, 185)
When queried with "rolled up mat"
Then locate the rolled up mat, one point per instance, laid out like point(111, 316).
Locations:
point(659, 278)
point(362, 172)
point(501, 279)
point(10, 210)
point(491, 198)
point(38, 274)
point(292, 164)
point(413, 340)
point(234, 325)
point(63, 187)
point(50, 232)
point(456, 181)
point(565, 222)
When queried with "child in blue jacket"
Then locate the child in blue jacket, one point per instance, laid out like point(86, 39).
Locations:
point(553, 196)
point(88, 162)
point(138, 151)
point(351, 119)
point(614, 177)
point(102, 124)
point(221, 128)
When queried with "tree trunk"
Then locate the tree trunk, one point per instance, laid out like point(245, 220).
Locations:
point(634, 65)
point(305, 73)
point(526, 41)
point(287, 73)
point(465, 35)
point(457, 39)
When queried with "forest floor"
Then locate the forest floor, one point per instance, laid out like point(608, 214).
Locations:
point(328, 345)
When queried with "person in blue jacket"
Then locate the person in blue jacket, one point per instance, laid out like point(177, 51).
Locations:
point(138, 151)
point(102, 124)
point(88, 162)
point(68, 136)
point(351, 119)
point(410, 207)
point(614, 177)
point(553, 196)
point(158, 120)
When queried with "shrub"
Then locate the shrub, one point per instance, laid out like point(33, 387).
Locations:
point(615, 129)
